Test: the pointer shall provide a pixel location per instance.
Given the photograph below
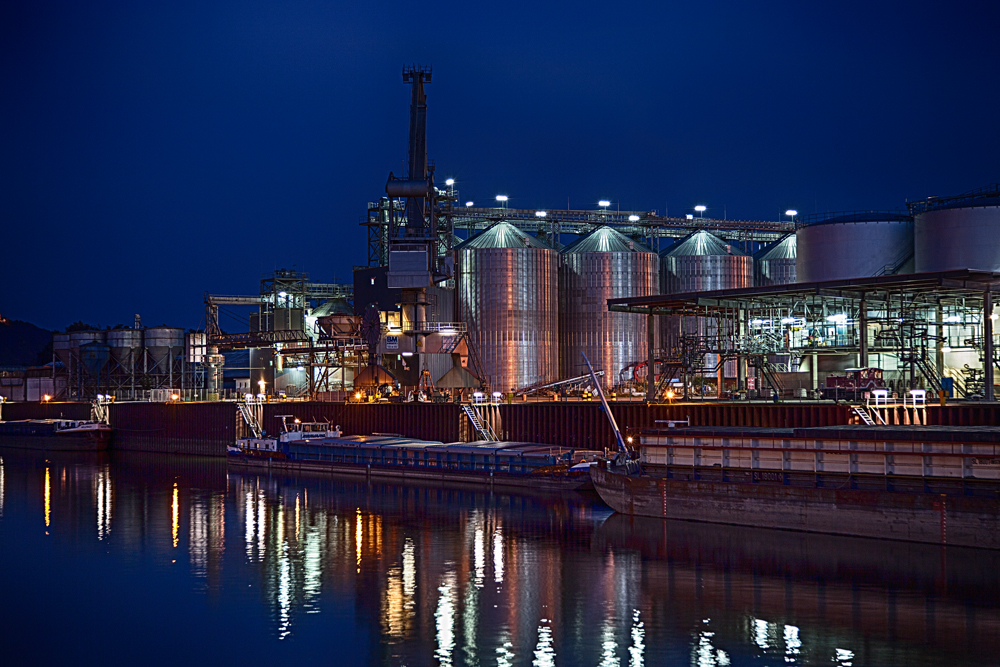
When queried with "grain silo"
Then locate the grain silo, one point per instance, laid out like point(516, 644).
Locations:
point(961, 232)
point(703, 262)
point(860, 244)
point(604, 264)
point(774, 264)
point(508, 298)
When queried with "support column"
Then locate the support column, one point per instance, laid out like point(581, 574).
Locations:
point(650, 361)
point(814, 370)
point(863, 334)
point(741, 360)
point(988, 343)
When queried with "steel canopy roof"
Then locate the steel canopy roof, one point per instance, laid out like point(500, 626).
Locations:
point(928, 288)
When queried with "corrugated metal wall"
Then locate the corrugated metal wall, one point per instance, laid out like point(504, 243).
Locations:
point(177, 428)
point(584, 425)
point(16, 411)
point(435, 421)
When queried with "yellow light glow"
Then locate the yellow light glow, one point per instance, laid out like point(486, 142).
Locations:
point(176, 514)
point(670, 394)
point(358, 536)
point(46, 398)
point(48, 497)
point(174, 397)
point(629, 438)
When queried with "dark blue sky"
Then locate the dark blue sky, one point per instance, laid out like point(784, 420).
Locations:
point(155, 150)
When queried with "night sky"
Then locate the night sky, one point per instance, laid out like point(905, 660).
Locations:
point(156, 150)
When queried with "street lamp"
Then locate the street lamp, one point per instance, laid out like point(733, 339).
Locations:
point(604, 203)
point(469, 204)
point(502, 200)
point(633, 218)
point(701, 208)
point(541, 214)
point(450, 182)
point(791, 213)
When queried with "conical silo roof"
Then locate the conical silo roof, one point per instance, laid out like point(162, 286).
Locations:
point(783, 248)
point(503, 235)
point(702, 243)
point(605, 239)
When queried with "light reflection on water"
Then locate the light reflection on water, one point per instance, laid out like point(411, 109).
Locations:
point(430, 576)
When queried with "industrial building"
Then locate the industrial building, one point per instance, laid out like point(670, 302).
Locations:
point(458, 298)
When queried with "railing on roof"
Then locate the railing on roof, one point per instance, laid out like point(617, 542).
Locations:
point(854, 216)
point(979, 196)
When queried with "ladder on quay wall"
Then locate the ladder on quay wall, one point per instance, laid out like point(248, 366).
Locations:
point(482, 427)
point(863, 414)
point(250, 418)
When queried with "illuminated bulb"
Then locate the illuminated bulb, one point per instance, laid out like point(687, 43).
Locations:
point(604, 202)
point(946, 349)
point(700, 208)
point(501, 197)
point(450, 181)
point(791, 213)
point(469, 204)
point(633, 218)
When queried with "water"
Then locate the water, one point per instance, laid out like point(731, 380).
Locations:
point(143, 559)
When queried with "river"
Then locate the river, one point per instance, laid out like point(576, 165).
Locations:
point(122, 558)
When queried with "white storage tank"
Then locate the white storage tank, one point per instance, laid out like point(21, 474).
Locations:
point(774, 264)
point(961, 232)
point(857, 244)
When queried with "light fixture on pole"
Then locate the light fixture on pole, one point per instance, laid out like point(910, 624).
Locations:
point(469, 204)
point(701, 208)
point(450, 182)
point(502, 200)
point(541, 214)
point(791, 213)
point(633, 218)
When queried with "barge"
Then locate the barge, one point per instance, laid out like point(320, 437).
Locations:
point(316, 447)
point(56, 435)
point(917, 483)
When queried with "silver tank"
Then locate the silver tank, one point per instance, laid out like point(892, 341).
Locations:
point(78, 338)
point(703, 262)
point(604, 264)
point(125, 344)
point(775, 264)
point(699, 263)
point(508, 298)
point(163, 344)
point(61, 346)
point(853, 245)
point(960, 232)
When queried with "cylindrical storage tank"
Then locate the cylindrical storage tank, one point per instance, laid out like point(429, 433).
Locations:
point(163, 344)
point(78, 338)
point(960, 232)
point(703, 262)
point(61, 346)
point(508, 297)
point(604, 264)
point(775, 264)
point(125, 344)
point(94, 358)
point(835, 246)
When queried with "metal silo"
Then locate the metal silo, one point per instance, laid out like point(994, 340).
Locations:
point(604, 264)
point(703, 262)
point(163, 345)
point(775, 264)
point(858, 244)
point(508, 298)
point(126, 346)
point(61, 346)
point(78, 338)
point(961, 232)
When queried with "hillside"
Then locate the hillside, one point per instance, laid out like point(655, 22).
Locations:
point(23, 344)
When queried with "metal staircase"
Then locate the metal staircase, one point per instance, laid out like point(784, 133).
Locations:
point(483, 428)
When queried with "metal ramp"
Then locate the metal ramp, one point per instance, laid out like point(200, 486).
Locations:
point(482, 426)
point(249, 414)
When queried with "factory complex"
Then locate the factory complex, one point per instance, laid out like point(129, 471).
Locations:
point(460, 300)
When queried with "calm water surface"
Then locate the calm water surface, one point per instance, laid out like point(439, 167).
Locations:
point(150, 560)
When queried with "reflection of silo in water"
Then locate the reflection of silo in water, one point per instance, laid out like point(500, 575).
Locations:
point(703, 262)
point(163, 344)
point(604, 264)
point(508, 297)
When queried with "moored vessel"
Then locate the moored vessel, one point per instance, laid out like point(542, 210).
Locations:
point(55, 434)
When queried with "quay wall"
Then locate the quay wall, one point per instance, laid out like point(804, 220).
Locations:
point(174, 428)
point(206, 428)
